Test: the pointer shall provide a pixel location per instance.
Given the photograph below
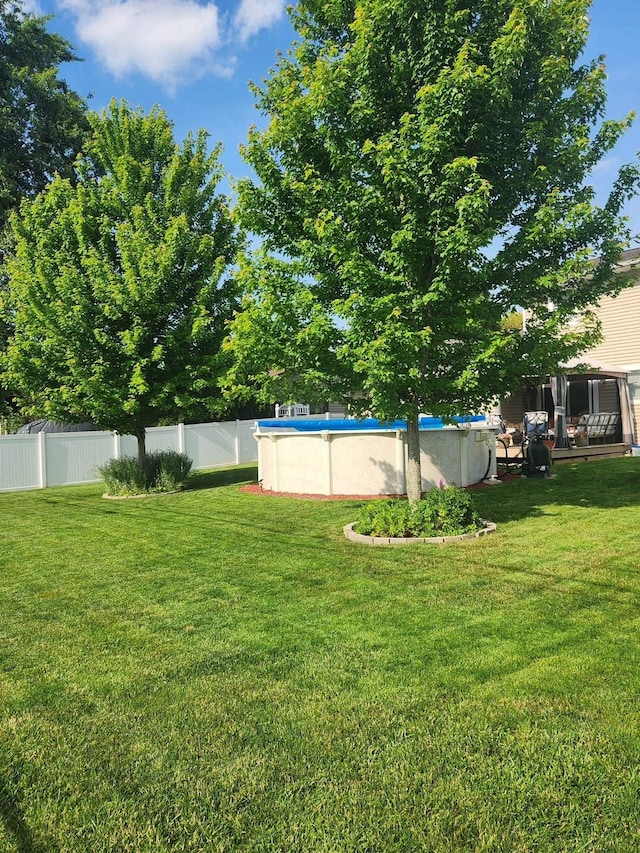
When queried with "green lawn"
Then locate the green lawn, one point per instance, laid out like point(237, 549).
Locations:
point(222, 671)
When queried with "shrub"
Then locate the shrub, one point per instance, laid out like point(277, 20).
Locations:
point(122, 476)
point(164, 471)
point(385, 518)
point(447, 511)
point(167, 470)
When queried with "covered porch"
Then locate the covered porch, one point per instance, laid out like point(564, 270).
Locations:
point(589, 413)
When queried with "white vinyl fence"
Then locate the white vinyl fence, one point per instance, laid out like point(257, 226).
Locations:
point(65, 459)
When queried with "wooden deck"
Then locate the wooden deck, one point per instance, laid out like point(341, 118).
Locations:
point(592, 451)
point(513, 456)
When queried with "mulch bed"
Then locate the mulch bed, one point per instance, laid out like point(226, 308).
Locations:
point(256, 489)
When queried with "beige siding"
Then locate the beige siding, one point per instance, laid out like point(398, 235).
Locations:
point(620, 318)
point(620, 347)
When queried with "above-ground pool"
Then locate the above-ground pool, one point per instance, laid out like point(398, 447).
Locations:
point(369, 457)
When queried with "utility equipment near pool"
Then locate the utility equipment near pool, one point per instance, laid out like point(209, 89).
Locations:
point(537, 456)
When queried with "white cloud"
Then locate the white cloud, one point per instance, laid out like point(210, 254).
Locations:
point(256, 15)
point(607, 166)
point(31, 6)
point(165, 40)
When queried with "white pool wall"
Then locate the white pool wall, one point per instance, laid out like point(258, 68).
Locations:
point(373, 462)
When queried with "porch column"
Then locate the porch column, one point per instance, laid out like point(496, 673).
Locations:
point(559, 394)
point(625, 411)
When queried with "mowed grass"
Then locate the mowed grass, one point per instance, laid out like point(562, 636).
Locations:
point(222, 671)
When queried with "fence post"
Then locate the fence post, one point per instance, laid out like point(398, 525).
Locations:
point(181, 442)
point(117, 445)
point(42, 460)
point(237, 442)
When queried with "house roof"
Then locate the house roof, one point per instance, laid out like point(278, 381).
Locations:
point(592, 367)
point(631, 253)
point(630, 258)
point(54, 426)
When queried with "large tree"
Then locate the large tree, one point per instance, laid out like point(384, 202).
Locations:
point(426, 165)
point(119, 292)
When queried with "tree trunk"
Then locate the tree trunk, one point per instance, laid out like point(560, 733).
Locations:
point(141, 435)
point(414, 469)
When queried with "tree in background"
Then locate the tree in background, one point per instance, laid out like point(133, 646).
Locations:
point(282, 342)
point(426, 165)
point(43, 123)
point(117, 286)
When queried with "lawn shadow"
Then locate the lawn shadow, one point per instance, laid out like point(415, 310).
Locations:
point(12, 816)
point(222, 477)
point(601, 484)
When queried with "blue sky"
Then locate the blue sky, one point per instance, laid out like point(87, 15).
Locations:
point(195, 59)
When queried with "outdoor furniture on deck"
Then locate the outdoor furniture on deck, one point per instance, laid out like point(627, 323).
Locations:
point(509, 454)
point(597, 428)
point(531, 456)
point(535, 425)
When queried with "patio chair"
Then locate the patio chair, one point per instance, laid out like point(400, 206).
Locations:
point(536, 424)
point(503, 442)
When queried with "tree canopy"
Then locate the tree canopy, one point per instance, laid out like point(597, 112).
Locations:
point(118, 284)
point(426, 165)
point(43, 122)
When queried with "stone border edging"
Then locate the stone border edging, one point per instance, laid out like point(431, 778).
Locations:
point(349, 532)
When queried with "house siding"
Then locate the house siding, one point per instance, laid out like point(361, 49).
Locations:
point(620, 347)
point(620, 319)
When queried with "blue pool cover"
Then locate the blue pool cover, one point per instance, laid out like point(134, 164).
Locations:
point(351, 424)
